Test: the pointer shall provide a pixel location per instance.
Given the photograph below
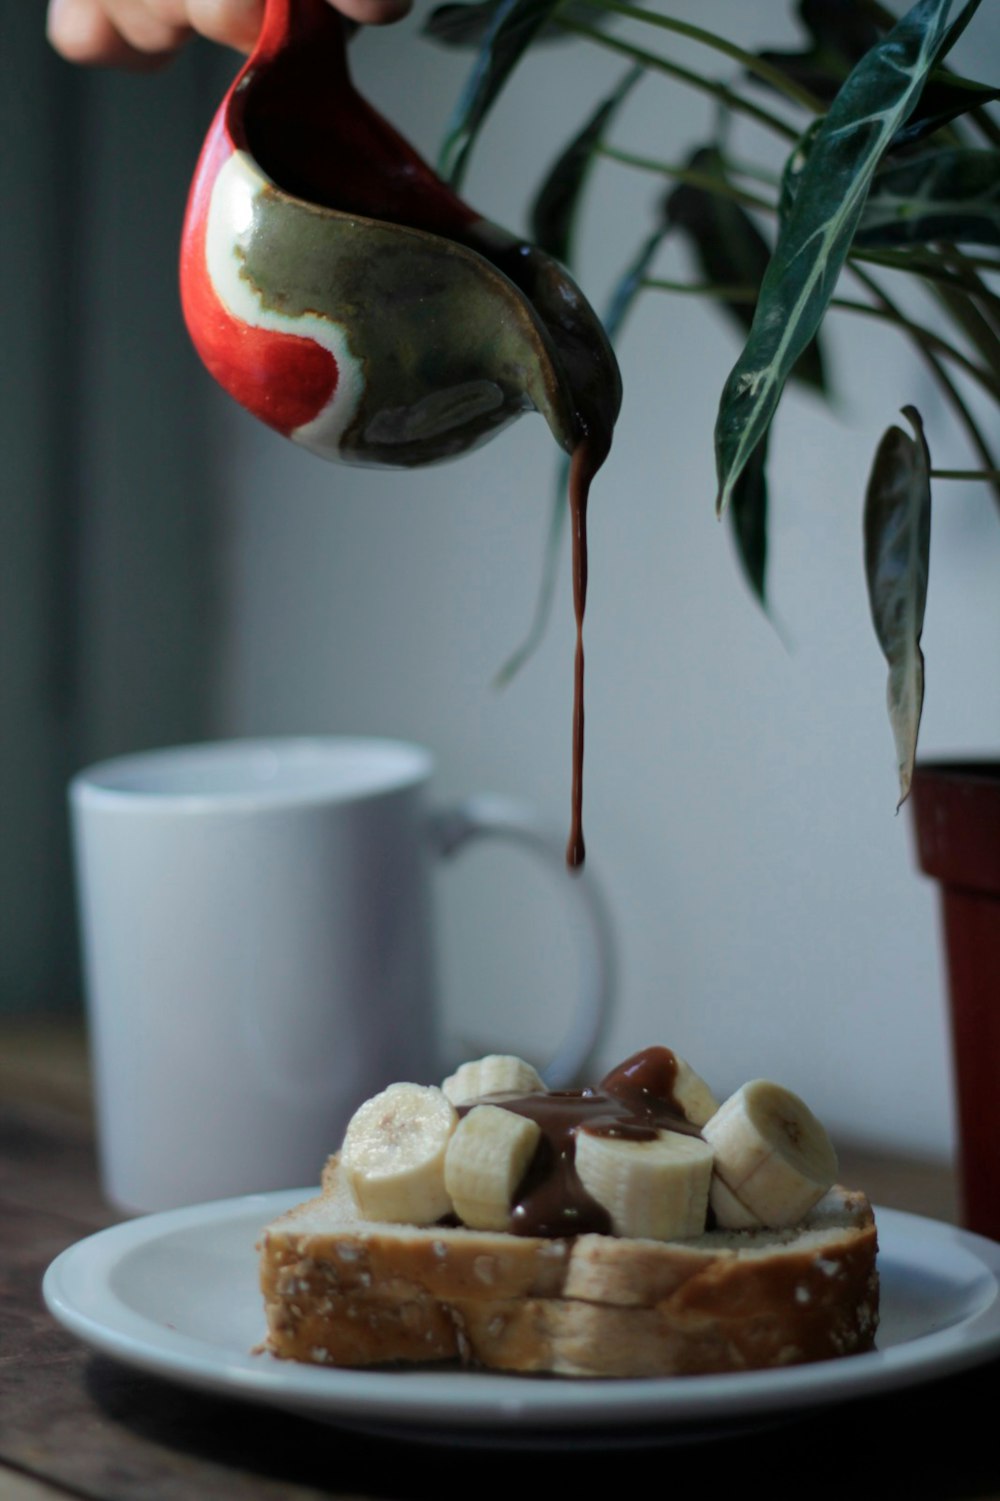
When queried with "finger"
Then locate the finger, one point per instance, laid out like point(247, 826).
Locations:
point(155, 28)
point(373, 12)
point(143, 33)
point(235, 23)
point(81, 32)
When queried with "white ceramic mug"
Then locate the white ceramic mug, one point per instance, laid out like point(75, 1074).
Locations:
point(259, 957)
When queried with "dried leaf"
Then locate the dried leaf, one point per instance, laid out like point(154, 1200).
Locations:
point(897, 557)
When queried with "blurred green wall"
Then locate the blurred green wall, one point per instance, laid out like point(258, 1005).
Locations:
point(108, 523)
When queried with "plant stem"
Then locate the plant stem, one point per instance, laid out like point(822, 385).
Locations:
point(922, 262)
point(926, 337)
point(701, 289)
point(964, 310)
point(749, 169)
point(979, 262)
point(987, 125)
point(718, 91)
point(964, 261)
point(984, 297)
point(774, 76)
point(707, 180)
point(969, 303)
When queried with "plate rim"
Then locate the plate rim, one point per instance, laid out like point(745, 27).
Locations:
point(495, 1401)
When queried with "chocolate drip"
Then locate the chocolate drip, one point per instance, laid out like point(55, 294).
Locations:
point(635, 1101)
point(580, 476)
point(647, 1080)
point(587, 459)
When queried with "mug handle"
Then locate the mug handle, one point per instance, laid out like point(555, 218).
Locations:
point(490, 816)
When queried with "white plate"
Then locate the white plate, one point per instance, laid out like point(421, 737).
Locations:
point(176, 1294)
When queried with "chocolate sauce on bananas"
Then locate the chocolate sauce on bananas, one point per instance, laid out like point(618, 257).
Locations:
point(635, 1101)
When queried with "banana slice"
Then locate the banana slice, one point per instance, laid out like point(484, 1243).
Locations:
point(729, 1213)
point(771, 1153)
point(656, 1189)
point(497, 1073)
point(692, 1094)
point(486, 1159)
point(394, 1152)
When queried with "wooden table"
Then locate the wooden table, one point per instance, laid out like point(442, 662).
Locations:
point(74, 1424)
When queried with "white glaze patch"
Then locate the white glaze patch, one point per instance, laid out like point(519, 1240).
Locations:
point(230, 224)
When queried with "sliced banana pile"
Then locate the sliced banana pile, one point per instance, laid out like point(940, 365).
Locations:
point(416, 1154)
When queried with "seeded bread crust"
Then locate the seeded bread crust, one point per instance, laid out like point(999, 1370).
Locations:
point(344, 1291)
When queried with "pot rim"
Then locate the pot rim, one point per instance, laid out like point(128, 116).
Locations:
point(979, 767)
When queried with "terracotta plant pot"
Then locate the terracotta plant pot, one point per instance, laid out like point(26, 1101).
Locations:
point(957, 813)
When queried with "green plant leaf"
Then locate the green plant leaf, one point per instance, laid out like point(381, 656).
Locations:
point(748, 520)
point(877, 98)
point(728, 247)
point(793, 170)
point(966, 179)
point(951, 194)
point(946, 97)
point(844, 27)
point(841, 32)
point(897, 557)
point(554, 210)
point(461, 25)
point(730, 251)
point(515, 25)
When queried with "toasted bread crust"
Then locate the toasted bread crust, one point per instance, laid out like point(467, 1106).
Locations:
point(343, 1291)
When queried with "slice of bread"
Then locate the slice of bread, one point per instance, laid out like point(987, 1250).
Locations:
point(344, 1291)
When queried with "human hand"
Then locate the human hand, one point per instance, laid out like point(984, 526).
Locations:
point(144, 33)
